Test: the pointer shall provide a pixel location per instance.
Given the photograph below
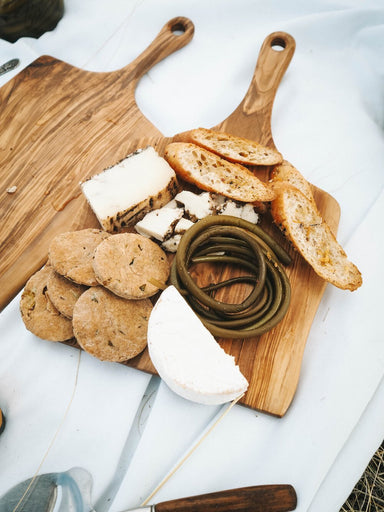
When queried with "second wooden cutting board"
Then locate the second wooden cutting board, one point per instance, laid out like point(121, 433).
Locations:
point(64, 124)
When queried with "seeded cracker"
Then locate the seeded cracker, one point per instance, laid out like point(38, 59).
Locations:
point(128, 264)
point(63, 293)
point(71, 253)
point(39, 314)
point(109, 327)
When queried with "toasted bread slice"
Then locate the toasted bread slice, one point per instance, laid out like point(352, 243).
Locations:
point(233, 148)
point(302, 223)
point(214, 174)
point(287, 173)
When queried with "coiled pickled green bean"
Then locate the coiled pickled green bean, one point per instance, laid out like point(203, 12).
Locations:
point(227, 239)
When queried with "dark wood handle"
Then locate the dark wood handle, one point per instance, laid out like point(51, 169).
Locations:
point(173, 36)
point(261, 498)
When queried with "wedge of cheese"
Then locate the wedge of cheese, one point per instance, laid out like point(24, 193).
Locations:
point(159, 224)
point(186, 355)
point(121, 195)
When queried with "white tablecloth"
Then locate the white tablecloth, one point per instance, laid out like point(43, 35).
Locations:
point(67, 409)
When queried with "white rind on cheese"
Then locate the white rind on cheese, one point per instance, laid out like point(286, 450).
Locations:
point(186, 355)
point(160, 223)
point(121, 195)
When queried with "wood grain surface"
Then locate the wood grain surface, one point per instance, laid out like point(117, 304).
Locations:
point(64, 124)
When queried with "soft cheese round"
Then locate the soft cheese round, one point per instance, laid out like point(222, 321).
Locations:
point(186, 355)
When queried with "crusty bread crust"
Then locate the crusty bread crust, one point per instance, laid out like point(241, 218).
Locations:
point(233, 148)
point(300, 220)
point(287, 173)
point(215, 174)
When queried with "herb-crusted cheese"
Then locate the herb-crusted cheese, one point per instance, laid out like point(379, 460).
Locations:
point(121, 195)
point(196, 206)
point(186, 355)
point(159, 223)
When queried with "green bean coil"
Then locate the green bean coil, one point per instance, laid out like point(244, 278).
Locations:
point(229, 240)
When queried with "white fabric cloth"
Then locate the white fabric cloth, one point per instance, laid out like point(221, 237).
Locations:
point(64, 409)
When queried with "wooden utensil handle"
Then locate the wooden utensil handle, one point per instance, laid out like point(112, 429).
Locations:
point(261, 498)
point(174, 35)
point(274, 57)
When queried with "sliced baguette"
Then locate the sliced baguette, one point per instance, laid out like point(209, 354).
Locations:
point(287, 173)
point(302, 223)
point(214, 174)
point(233, 148)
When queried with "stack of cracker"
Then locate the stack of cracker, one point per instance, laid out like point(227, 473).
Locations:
point(96, 288)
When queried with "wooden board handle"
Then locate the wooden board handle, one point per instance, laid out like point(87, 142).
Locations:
point(274, 57)
point(174, 35)
point(260, 498)
point(252, 118)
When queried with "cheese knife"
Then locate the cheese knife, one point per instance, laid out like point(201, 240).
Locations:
point(259, 498)
point(70, 491)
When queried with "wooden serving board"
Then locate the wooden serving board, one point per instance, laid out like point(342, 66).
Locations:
point(60, 125)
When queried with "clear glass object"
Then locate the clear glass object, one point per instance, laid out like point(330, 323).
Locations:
point(28, 18)
point(69, 491)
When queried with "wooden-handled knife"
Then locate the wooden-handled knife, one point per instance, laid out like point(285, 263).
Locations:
point(259, 498)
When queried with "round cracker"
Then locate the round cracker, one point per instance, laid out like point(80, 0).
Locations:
point(71, 253)
point(109, 327)
point(39, 314)
point(129, 264)
point(63, 293)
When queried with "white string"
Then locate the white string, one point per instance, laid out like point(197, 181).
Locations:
point(54, 437)
point(197, 443)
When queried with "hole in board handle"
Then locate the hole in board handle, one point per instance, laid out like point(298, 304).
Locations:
point(278, 44)
point(178, 29)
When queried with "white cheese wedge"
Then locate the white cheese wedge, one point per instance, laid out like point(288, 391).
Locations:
point(171, 244)
point(186, 355)
point(160, 223)
point(196, 206)
point(182, 225)
point(121, 195)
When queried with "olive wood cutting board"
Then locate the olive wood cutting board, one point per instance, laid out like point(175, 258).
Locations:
point(60, 125)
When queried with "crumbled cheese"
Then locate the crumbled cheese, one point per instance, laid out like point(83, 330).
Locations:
point(172, 243)
point(160, 223)
point(230, 208)
point(225, 206)
point(11, 190)
point(196, 206)
point(182, 226)
point(186, 355)
point(249, 213)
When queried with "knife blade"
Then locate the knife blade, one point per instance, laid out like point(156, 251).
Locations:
point(131, 443)
point(258, 498)
point(9, 66)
